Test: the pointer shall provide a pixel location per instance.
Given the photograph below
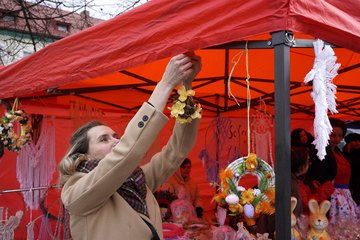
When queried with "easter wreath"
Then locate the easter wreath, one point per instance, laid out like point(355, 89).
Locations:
point(11, 139)
point(251, 202)
point(184, 109)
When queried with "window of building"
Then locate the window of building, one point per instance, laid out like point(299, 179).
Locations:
point(8, 17)
point(63, 27)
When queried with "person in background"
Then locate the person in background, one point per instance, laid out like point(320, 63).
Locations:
point(326, 169)
point(352, 153)
point(301, 137)
point(184, 187)
point(301, 188)
point(107, 195)
point(335, 167)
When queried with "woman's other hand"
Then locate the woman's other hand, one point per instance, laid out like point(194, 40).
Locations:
point(181, 69)
point(196, 61)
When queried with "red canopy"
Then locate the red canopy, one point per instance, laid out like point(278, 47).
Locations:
point(117, 63)
point(162, 28)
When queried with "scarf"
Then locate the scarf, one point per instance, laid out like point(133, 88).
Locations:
point(133, 190)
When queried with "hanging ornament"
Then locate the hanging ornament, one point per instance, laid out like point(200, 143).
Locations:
point(324, 91)
point(15, 131)
point(249, 202)
point(262, 126)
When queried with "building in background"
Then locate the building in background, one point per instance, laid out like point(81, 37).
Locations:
point(26, 27)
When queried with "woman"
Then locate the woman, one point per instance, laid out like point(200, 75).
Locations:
point(184, 187)
point(107, 194)
point(352, 152)
point(300, 137)
point(342, 205)
point(301, 189)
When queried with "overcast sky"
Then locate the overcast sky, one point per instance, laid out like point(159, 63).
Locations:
point(106, 9)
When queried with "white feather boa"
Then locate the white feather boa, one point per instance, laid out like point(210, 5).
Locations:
point(323, 72)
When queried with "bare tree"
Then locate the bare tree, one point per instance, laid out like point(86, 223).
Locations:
point(27, 26)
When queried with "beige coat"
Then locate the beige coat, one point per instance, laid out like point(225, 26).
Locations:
point(97, 211)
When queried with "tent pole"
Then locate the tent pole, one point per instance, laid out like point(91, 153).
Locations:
point(282, 41)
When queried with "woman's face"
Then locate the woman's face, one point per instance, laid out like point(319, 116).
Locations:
point(336, 136)
point(102, 140)
point(303, 137)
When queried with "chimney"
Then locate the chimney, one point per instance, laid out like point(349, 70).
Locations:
point(85, 14)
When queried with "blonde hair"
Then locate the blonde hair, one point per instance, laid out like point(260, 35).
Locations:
point(79, 147)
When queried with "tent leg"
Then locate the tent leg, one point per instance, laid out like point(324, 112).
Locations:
point(280, 41)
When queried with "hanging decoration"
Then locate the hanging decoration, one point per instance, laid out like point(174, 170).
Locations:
point(184, 109)
point(322, 74)
point(261, 137)
point(36, 164)
point(8, 225)
point(221, 145)
point(15, 130)
point(250, 202)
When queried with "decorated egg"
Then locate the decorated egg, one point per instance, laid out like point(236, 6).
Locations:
point(249, 210)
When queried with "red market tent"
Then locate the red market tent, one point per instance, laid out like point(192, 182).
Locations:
point(115, 64)
point(105, 54)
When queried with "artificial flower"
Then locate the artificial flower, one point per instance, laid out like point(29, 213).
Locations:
point(220, 198)
point(247, 196)
point(270, 194)
point(236, 208)
point(250, 221)
point(232, 199)
point(240, 188)
point(183, 93)
point(177, 109)
point(251, 162)
point(226, 174)
point(184, 108)
point(257, 191)
point(265, 207)
point(197, 113)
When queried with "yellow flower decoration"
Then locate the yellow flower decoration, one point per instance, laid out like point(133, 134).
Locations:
point(247, 196)
point(226, 174)
point(251, 162)
point(184, 110)
point(236, 208)
point(177, 109)
point(197, 113)
point(183, 93)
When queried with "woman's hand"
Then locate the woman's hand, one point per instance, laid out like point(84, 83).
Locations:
point(196, 61)
point(179, 69)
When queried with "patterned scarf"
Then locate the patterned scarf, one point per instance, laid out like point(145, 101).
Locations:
point(133, 189)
